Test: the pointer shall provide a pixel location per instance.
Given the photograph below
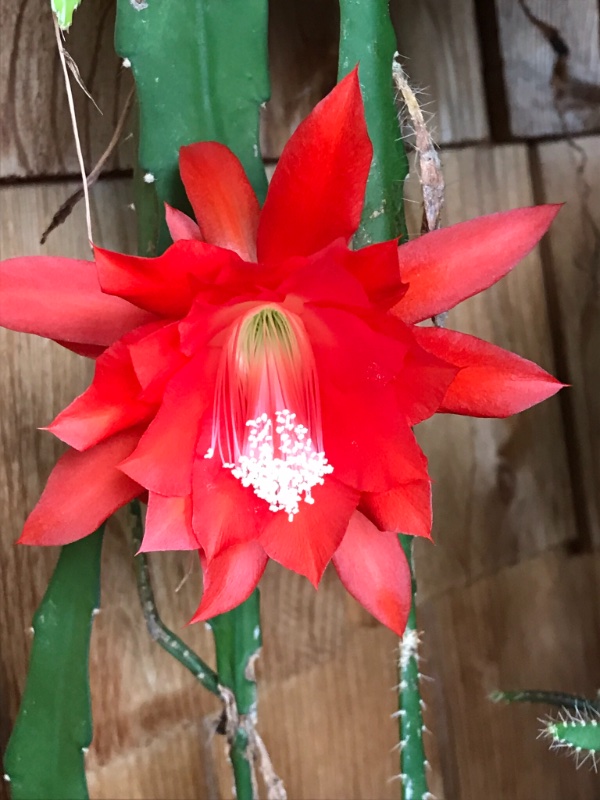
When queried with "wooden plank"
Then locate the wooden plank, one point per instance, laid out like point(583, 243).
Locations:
point(439, 48)
point(570, 172)
point(150, 740)
point(303, 55)
point(303, 64)
point(35, 127)
point(534, 625)
point(538, 103)
point(40, 378)
point(329, 725)
point(501, 487)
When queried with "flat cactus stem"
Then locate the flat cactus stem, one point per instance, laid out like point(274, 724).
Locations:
point(200, 69)
point(45, 756)
point(577, 733)
point(362, 25)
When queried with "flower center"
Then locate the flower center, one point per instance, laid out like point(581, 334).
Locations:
point(267, 414)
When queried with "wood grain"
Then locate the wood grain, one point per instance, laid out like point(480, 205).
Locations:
point(501, 488)
point(39, 378)
point(439, 49)
point(570, 172)
point(538, 104)
point(534, 625)
point(303, 64)
point(303, 55)
point(35, 127)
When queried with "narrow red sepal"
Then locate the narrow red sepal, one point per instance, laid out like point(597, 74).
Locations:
point(373, 568)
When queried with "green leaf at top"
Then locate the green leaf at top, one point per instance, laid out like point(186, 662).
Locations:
point(201, 75)
point(64, 12)
point(44, 759)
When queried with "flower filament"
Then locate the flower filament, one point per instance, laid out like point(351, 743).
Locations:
point(267, 415)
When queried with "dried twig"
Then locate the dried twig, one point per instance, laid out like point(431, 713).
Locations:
point(429, 165)
point(230, 723)
point(71, 63)
point(67, 207)
point(63, 61)
point(273, 783)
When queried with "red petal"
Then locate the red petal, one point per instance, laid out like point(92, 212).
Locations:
point(323, 278)
point(155, 358)
point(168, 524)
point(447, 266)
point(492, 382)
point(376, 267)
point(163, 460)
point(82, 491)
point(180, 225)
point(221, 195)
point(317, 191)
point(366, 433)
point(166, 285)
point(111, 403)
point(374, 570)
point(60, 298)
point(406, 508)
point(307, 543)
point(230, 578)
point(225, 512)
point(87, 350)
point(424, 378)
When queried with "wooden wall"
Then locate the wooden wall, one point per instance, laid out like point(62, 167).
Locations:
point(509, 596)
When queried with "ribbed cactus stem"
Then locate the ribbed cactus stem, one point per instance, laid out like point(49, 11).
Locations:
point(158, 631)
point(564, 700)
point(237, 643)
point(578, 733)
point(413, 765)
point(367, 38)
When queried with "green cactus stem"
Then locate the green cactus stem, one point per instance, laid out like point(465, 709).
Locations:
point(158, 631)
point(200, 69)
point(578, 733)
point(238, 641)
point(45, 757)
point(571, 702)
point(577, 727)
point(413, 765)
point(367, 38)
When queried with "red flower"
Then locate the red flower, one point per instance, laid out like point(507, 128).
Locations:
point(260, 380)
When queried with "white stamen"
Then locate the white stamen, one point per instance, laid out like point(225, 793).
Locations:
point(267, 416)
point(282, 474)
